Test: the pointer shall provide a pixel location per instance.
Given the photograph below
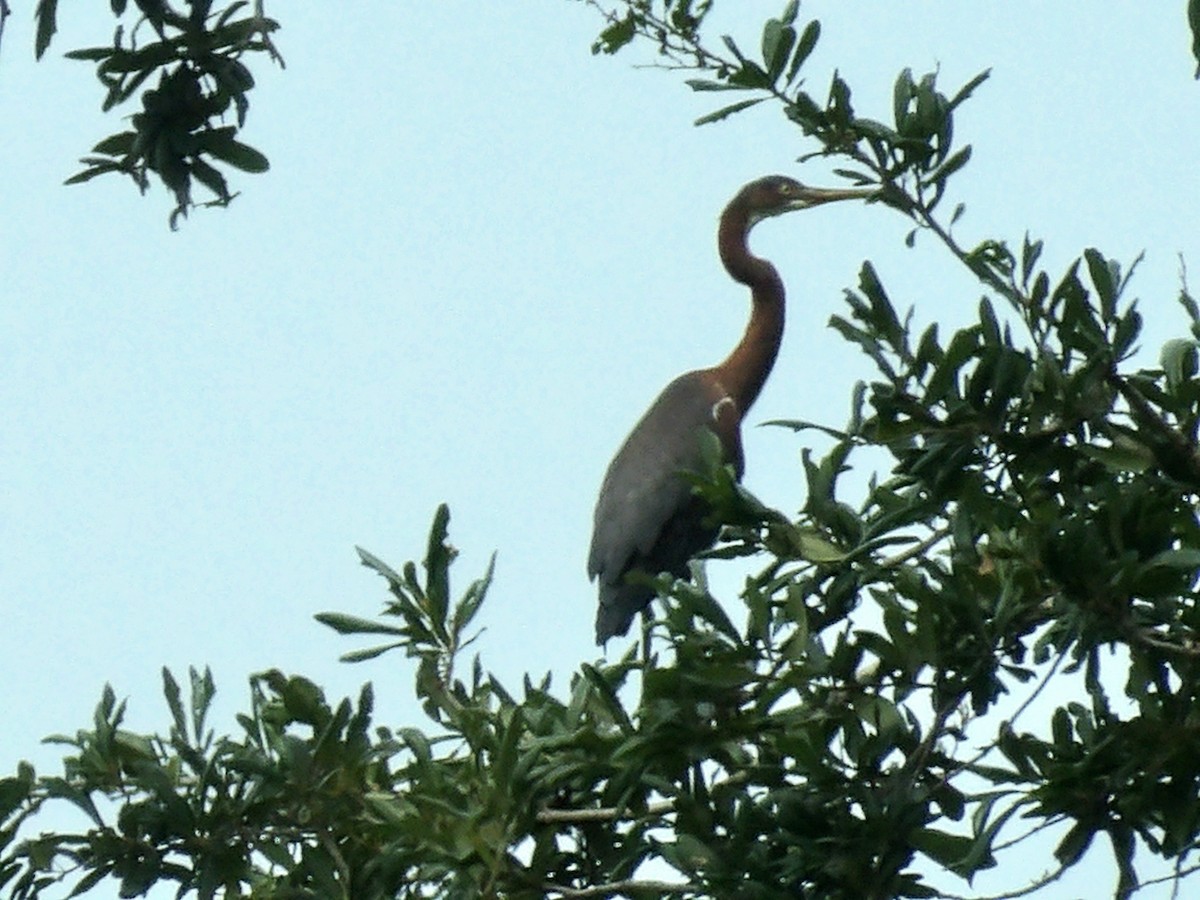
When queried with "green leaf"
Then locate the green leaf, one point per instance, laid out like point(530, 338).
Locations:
point(506, 756)
point(988, 323)
point(980, 856)
point(147, 59)
point(728, 111)
point(608, 696)
point(90, 54)
point(1104, 279)
point(1074, 844)
point(228, 14)
point(1179, 361)
point(803, 425)
point(369, 653)
point(116, 144)
point(59, 787)
point(872, 129)
point(699, 84)
point(388, 807)
point(943, 848)
point(472, 599)
point(902, 93)
point(804, 48)
point(120, 91)
point(1061, 730)
point(211, 179)
point(777, 42)
point(772, 38)
point(751, 75)
point(944, 380)
point(1193, 13)
point(701, 603)
point(1127, 331)
point(203, 690)
point(733, 48)
point(46, 14)
point(1121, 456)
point(616, 35)
point(929, 114)
point(95, 167)
point(840, 110)
point(814, 547)
point(379, 566)
point(1186, 559)
point(419, 744)
point(174, 703)
point(242, 156)
point(688, 854)
point(950, 166)
point(13, 792)
point(347, 624)
point(90, 880)
point(1030, 252)
point(882, 315)
point(969, 88)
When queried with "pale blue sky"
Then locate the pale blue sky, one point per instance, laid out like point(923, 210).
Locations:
point(479, 253)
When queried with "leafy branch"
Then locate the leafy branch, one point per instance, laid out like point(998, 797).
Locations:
point(196, 64)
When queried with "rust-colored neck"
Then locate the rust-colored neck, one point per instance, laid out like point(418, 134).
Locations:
point(745, 370)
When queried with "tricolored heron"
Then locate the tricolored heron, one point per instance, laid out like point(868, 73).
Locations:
point(647, 518)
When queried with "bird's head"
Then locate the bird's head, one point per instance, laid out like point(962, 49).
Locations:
point(777, 194)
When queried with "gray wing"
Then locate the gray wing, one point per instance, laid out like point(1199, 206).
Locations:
point(646, 513)
point(642, 487)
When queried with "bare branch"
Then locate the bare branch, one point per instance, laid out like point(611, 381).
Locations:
point(623, 888)
point(915, 550)
point(601, 813)
point(612, 813)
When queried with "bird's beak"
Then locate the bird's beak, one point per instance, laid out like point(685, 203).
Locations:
point(816, 196)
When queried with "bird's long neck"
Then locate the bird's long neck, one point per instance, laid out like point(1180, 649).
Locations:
point(745, 370)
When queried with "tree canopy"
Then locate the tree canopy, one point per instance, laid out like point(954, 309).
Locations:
point(872, 722)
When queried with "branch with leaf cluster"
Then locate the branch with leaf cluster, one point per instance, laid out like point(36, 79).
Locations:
point(191, 74)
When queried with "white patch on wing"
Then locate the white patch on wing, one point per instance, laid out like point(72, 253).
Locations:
point(716, 409)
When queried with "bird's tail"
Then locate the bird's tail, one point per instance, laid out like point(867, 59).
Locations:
point(619, 603)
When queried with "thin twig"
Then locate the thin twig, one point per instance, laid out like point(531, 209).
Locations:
point(330, 846)
point(915, 550)
point(1025, 704)
point(1049, 823)
point(1176, 876)
point(1032, 887)
point(1148, 640)
point(1146, 417)
point(611, 813)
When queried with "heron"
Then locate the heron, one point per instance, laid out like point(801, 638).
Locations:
point(647, 517)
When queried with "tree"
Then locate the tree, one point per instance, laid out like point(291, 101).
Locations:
point(868, 731)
